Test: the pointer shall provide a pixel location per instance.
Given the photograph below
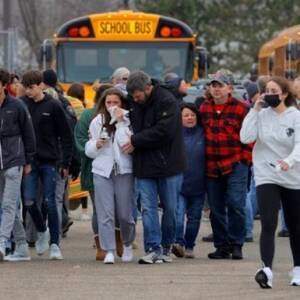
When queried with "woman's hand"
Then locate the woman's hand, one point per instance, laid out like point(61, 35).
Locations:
point(283, 165)
point(101, 142)
point(259, 103)
point(119, 115)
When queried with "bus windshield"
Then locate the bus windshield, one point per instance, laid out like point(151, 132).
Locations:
point(88, 61)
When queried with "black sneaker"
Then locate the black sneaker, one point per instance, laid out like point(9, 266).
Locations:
point(236, 252)
point(283, 233)
point(209, 238)
point(67, 225)
point(220, 253)
point(264, 277)
point(249, 239)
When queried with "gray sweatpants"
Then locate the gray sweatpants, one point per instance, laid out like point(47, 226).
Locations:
point(114, 196)
point(10, 195)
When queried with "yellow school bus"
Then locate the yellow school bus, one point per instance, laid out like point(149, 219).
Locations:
point(92, 47)
point(281, 55)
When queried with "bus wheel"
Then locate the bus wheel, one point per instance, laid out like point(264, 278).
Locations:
point(74, 203)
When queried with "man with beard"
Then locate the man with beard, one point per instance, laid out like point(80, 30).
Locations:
point(158, 161)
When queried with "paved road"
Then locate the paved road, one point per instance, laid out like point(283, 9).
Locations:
point(79, 276)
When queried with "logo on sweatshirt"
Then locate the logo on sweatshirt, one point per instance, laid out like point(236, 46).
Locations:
point(289, 131)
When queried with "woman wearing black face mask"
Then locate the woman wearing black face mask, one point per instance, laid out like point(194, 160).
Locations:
point(276, 160)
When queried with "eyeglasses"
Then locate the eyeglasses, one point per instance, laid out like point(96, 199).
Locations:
point(125, 78)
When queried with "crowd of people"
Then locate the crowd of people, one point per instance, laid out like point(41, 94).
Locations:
point(142, 147)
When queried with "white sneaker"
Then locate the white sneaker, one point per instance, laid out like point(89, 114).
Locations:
point(21, 254)
point(264, 277)
point(55, 253)
point(127, 254)
point(109, 258)
point(42, 243)
point(85, 217)
point(295, 274)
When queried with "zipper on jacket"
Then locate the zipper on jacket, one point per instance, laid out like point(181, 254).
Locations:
point(162, 157)
point(19, 145)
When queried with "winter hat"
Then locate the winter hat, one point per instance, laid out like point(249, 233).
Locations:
point(50, 78)
point(175, 83)
point(120, 73)
point(170, 76)
point(252, 89)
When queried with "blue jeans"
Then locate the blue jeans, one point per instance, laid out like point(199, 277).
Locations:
point(192, 207)
point(167, 189)
point(47, 175)
point(251, 207)
point(227, 201)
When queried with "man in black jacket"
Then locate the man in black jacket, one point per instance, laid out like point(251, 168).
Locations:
point(158, 161)
point(51, 126)
point(17, 147)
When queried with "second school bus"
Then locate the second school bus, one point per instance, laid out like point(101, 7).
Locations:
point(92, 47)
point(281, 55)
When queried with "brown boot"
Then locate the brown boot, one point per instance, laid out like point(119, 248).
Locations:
point(119, 243)
point(100, 253)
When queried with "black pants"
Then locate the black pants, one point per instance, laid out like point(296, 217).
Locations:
point(269, 197)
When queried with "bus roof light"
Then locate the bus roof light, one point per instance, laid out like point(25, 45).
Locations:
point(165, 31)
point(73, 32)
point(84, 31)
point(176, 32)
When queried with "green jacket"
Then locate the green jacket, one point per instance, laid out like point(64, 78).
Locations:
point(81, 137)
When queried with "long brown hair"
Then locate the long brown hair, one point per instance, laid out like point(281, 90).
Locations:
point(285, 88)
point(101, 109)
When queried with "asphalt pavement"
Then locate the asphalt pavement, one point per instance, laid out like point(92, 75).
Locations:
point(79, 276)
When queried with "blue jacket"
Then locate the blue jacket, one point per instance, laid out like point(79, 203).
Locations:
point(194, 177)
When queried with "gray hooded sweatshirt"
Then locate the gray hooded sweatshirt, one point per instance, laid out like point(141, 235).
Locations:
point(276, 137)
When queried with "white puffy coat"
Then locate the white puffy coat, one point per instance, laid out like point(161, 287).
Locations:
point(109, 154)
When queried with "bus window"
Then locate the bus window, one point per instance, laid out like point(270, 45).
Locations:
point(85, 62)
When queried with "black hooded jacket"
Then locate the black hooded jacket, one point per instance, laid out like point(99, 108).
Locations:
point(17, 140)
point(158, 135)
point(50, 125)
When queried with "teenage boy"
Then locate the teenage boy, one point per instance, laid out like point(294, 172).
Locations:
point(51, 130)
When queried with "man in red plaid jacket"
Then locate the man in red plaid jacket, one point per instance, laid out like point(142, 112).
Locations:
point(227, 161)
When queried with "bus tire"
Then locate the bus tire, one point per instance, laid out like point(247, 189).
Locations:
point(74, 204)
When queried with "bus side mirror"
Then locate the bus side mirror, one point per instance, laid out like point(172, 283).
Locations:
point(46, 53)
point(203, 61)
point(270, 64)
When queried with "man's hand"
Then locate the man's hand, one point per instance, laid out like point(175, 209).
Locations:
point(127, 148)
point(27, 169)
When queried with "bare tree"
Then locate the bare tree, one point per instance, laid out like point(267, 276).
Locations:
point(42, 17)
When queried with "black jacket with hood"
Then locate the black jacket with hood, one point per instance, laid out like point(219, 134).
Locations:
point(50, 126)
point(158, 135)
point(17, 139)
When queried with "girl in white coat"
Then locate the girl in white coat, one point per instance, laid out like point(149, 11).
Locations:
point(112, 175)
